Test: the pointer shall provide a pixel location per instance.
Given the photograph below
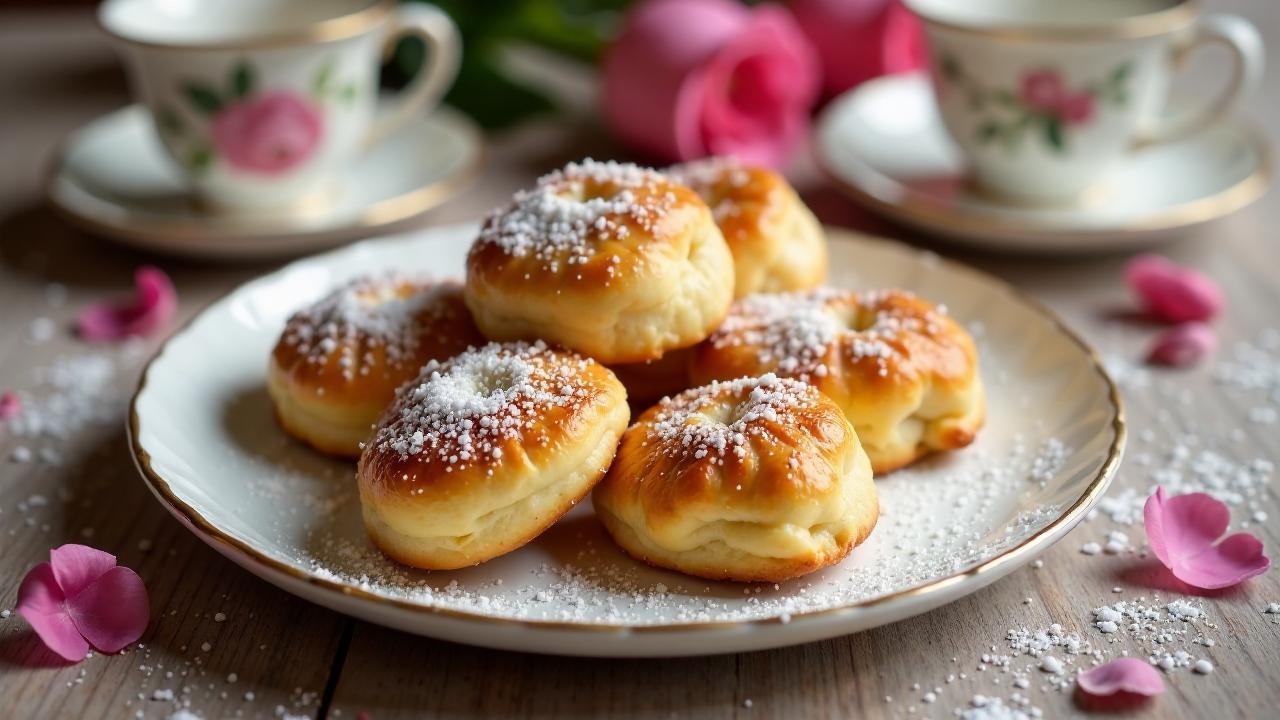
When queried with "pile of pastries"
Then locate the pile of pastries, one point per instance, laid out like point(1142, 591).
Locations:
point(662, 340)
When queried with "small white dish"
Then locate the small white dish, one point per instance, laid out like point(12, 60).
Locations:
point(205, 441)
point(884, 143)
point(113, 178)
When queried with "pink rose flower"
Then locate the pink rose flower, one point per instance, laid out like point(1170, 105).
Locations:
point(1043, 91)
point(858, 40)
point(690, 78)
point(268, 133)
point(1076, 108)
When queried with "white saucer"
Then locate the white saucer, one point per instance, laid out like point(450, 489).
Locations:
point(204, 438)
point(884, 143)
point(113, 178)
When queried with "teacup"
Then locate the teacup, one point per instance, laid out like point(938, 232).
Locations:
point(263, 103)
point(1044, 96)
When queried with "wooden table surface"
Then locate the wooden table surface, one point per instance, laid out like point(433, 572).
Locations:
point(276, 656)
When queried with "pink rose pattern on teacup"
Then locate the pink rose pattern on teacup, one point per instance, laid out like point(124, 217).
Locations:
point(267, 132)
point(689, 78)
point(1043, 103)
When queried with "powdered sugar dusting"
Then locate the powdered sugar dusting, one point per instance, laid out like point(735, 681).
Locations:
point(686, 428)
point(373, 311)
point(568, 212)
point(460, 411)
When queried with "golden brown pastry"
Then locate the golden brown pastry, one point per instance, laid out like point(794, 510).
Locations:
point(338, 363)
point(757, 479)
point(607, 259)
point(904, 372)
point(649, 382)
point(481, 453)
point(777, 243)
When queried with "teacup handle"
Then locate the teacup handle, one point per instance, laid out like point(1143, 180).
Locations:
point(433, 80)
point(1248, 56)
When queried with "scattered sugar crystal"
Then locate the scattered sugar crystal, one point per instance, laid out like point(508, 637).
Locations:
point(1204, 667)
point(1090, 548)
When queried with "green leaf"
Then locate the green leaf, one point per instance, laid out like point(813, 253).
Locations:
point(1120, 74)
point(199, 160)
point(1005, 98)
point(242, 80)
point(320, 85)
point(168, 121)
point(949, 68)
point(348, 94)
point(988, 131)
point(1053, 134)
point(204, 99)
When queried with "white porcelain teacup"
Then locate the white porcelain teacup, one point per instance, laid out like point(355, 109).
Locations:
point(264, 103)
point(1044, 96)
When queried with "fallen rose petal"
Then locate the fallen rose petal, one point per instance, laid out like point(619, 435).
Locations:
point(152, 308)
point(76, 566)
point(10, 405)
point(112, 612)
point(1122, 675)
point(81, 597)
point(1182, 531)
point(1171, 292)
point(42, 604)
point(1183, 345)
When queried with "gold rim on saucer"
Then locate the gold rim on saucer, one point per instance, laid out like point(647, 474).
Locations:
point(929, 215)
point(1156, 22)
point(1034, 544)
point(329, 29)
point(377, 216)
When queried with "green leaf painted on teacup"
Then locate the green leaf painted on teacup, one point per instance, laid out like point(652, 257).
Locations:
point(324, 78)
point(1005, 99)
point(988, 131)
point(242, 80)
point(204, 99)
point(199, 160)
point(348, 93)
point(1120, 74)
point(168, 121)
point(1053, 133)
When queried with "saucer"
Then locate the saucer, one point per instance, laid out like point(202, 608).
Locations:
point(884, 144)
point(113, 178)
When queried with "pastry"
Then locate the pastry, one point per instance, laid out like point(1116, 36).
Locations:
point(777, 243)
point(606, 259)
point(481, 453)
point(338, 362)
point(904, 372)
point(756, 479)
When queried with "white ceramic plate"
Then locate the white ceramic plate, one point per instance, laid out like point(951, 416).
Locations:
point(205, 441)
point(884, 144)
point(113, 178)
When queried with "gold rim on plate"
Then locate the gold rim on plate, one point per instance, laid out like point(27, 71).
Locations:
point(1033, 544)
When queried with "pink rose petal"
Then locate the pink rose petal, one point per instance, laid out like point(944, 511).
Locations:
point(76, 566)
point(1123, 675)
point(42, 604)
point(1184, 533)
point(151, 309)
point(1183, 345)
point(1171, 292)
point(10, 405)
point(81, 597)
point(112, 612)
